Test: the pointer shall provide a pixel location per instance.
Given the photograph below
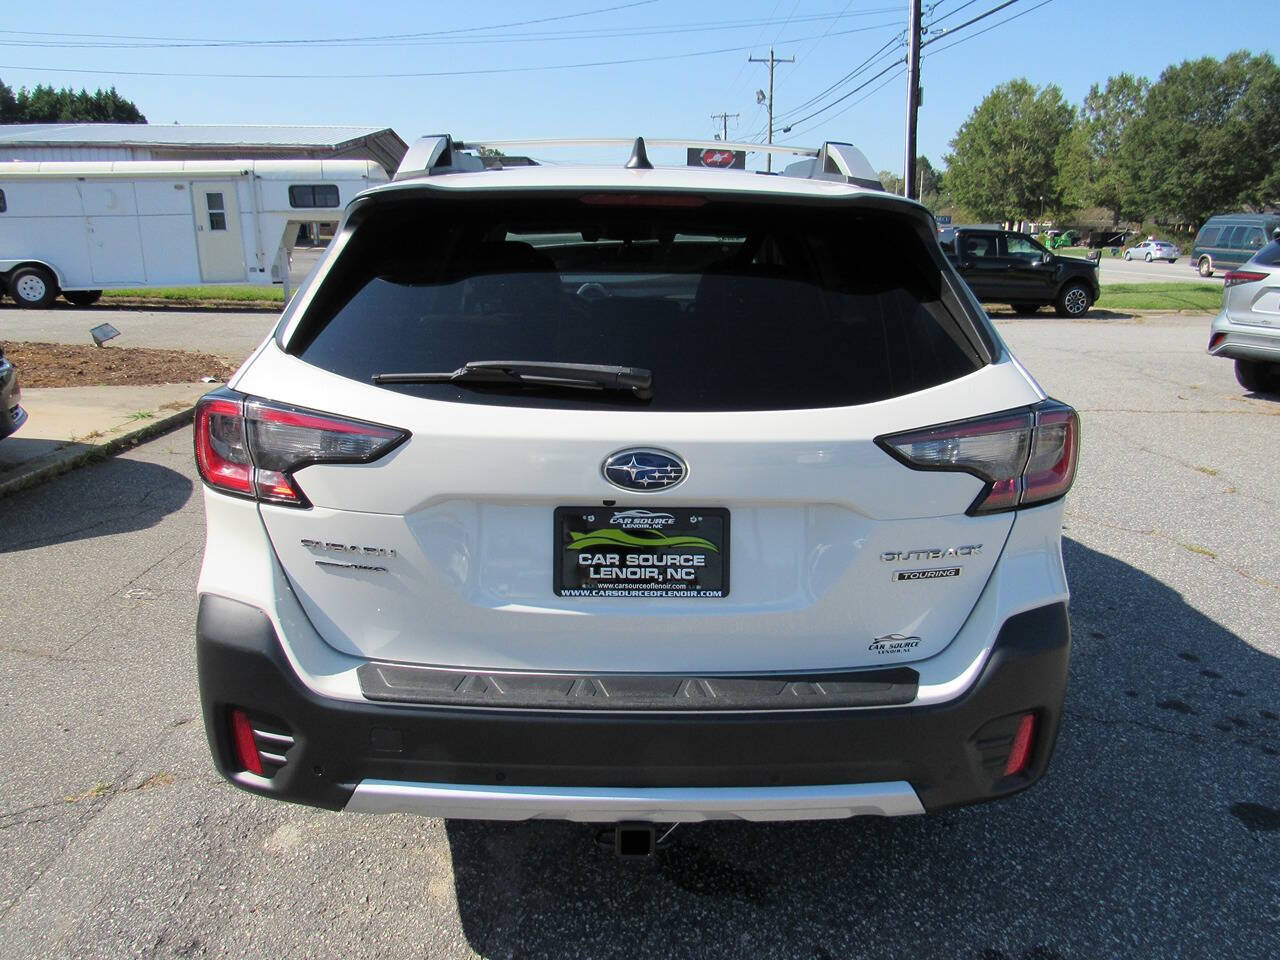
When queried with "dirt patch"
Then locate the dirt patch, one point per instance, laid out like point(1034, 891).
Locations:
point(79, 365)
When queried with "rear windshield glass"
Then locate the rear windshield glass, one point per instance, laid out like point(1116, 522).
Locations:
point(1269, 256)
point(731, 306)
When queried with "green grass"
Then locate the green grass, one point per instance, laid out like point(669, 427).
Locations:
point(1200, 297)
point(242, 292)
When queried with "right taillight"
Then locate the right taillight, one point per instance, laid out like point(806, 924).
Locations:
point(1242, 276)
point(253, 447)
point(1026, 456)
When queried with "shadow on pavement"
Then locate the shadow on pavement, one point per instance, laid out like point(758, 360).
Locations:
point(116, 496)
point(1155, 833)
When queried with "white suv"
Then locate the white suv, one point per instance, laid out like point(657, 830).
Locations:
point(633, 494)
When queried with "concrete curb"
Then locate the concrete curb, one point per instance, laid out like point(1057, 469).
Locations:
point(76, 455)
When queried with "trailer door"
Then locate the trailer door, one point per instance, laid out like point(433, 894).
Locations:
point(111, 222)
point(218, 232)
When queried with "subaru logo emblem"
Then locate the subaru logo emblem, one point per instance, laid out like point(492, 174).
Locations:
point(639, 469)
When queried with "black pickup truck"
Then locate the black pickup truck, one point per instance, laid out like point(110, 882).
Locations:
point(1002, 266)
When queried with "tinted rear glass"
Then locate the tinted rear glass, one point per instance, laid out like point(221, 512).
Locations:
point(1268, 256)
point(732, 306)
point(1208, 236)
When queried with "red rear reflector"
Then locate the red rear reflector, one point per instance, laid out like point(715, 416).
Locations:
point(1020, 753)
point(1216, 339)
point(643, 200)
point(1242, 276)
point(245, 746)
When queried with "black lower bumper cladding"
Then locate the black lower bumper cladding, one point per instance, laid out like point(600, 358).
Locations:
point(952, 753)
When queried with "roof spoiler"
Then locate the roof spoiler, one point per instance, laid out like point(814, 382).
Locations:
point(440, 153)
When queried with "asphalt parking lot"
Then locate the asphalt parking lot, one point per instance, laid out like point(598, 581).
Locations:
point(1155, 834)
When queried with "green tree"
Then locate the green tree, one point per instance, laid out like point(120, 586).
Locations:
point(1090, 173)
point(929, 180)
point(44, 104)
point(1002, 165)
point(1208, 140)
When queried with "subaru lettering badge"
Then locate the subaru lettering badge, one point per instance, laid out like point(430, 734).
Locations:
point(641, 469)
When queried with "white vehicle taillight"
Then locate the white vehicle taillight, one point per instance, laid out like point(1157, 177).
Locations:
point(1026, 456)
point(253, 447)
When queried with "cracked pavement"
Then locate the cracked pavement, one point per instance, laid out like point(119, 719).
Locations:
point(1156, 832)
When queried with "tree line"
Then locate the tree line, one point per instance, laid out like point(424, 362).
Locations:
point(43, 104)
point(1202, 139)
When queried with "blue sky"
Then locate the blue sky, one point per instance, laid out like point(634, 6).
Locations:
point(1069, 42)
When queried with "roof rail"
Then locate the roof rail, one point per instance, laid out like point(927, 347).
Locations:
point(840, 162)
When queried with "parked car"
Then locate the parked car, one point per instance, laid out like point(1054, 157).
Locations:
point(1002, 266)
point(1229, 240)
point(630, 495)
point(12, 416)
point(1248, 328)
point(1149, 250)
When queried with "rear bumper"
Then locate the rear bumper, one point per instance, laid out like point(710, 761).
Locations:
point(1243, 341)
point(512, 763)
point(12, 416)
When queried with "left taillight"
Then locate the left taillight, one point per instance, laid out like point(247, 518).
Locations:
point(1026, 456)
point(1236, 277)
point(252, 447)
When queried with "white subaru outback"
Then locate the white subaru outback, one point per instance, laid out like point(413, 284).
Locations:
point(633, 494)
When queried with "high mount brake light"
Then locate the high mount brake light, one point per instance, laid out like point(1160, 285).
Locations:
point(252, 447)
point(643, 200)
point(1236, 277)
point(1026, 456)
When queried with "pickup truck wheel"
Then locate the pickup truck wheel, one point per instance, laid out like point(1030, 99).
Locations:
point(81, 298)
point(33, 287)
point(1257, 376)
point(1205, 266)
point(1074, 300)
point(1025, 307)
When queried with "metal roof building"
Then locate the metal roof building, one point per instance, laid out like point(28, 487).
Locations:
point(154, 141)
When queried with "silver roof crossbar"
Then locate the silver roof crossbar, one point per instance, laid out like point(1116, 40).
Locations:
point(840, 162)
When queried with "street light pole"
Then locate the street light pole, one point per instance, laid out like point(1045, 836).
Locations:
point(772, 62)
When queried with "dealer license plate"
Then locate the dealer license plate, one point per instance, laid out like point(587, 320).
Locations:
point(642, 552)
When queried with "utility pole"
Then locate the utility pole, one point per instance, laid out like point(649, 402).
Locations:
point(724, 122)
point(772, 62)
point(913, 97)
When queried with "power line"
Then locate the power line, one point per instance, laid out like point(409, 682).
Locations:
point(972, 36)
point(436, 33)
point(864, 84)
point(411, 74)
point(948, 16)
point(982, 16)
point(861, 100)
point(845, 79)
point(415, 39)
point(865, 65)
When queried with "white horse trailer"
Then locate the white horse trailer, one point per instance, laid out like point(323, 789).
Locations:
point(81, 228)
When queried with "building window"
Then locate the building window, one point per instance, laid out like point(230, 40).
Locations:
point(217, 211)
point(319, 195)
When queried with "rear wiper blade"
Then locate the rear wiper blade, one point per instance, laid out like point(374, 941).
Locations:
point(578, 376)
